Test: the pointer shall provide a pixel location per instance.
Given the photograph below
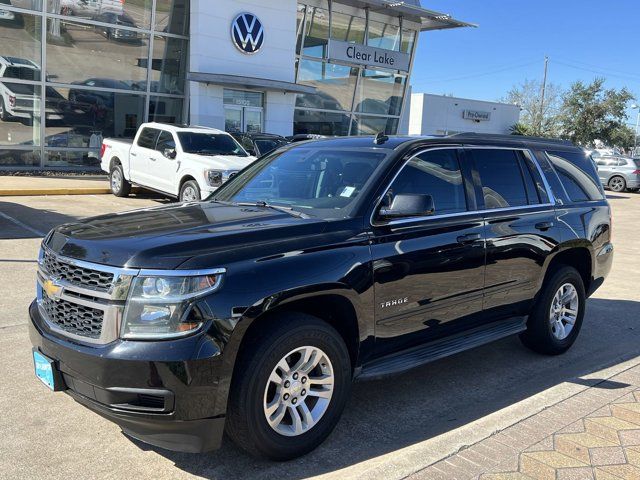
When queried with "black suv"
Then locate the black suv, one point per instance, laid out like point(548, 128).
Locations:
point(259, 144)
point(321, 263)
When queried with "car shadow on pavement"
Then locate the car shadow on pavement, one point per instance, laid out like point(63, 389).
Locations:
point(20, 221)
point(387, 415)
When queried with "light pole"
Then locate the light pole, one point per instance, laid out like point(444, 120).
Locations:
point(635, 106)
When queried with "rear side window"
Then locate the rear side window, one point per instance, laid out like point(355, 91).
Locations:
point(436, 173)
point(501, 178)
point(578, 175)
point(148, 137)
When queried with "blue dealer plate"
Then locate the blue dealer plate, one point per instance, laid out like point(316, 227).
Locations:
point(44, 369)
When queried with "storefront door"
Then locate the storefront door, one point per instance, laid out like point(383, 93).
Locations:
point(243, 111)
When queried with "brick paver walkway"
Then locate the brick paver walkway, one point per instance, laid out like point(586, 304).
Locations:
point(592, 435)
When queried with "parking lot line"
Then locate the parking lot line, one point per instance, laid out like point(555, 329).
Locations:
point(22, 225)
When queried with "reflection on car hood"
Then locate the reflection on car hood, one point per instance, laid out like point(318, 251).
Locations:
point(165, 237)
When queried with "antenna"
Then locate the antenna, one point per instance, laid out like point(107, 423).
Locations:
point(380, 138)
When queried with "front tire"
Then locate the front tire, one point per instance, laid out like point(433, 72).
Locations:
point(289, 388)
point(120, 187)
point(190, 191)
point(617, 184)
point(557, 316)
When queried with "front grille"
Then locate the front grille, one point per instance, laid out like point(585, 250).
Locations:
point(74, 318)
point(82, 277)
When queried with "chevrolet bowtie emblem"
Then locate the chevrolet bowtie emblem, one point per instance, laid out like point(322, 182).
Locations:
point(52, 289)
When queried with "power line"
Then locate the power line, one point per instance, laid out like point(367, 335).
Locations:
point(598, 72)
point(476, 75)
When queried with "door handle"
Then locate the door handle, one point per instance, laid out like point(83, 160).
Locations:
point(133, 154)
point(544, 226)
point(469, 238)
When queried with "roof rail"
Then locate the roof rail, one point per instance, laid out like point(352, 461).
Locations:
point(514, 138)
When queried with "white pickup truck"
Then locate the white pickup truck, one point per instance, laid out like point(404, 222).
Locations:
point(183, 162)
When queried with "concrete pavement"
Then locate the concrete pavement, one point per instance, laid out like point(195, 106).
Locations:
point(392, 428)
point(62, 185)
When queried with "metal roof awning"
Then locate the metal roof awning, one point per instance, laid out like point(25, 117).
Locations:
point(249, 82)
point(411, 10)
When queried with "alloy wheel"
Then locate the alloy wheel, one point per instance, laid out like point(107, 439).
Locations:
point(616, 184)
point(116, 180)
point(189, 194)
point(564, 311)
point(298, 391)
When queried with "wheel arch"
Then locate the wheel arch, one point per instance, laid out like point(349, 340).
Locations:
point(336, 308)
point(578, 255)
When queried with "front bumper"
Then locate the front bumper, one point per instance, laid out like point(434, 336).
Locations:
point(162, 393)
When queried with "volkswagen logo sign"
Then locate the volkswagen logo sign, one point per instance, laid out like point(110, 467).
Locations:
point(247, 33)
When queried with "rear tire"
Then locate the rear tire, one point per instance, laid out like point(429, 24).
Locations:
point(617, 184)
point(557, 316)
point(190, 192)
point(4, 115)
point(265, 397)
point(120, 187)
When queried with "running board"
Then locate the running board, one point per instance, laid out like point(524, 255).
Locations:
point(420, 355)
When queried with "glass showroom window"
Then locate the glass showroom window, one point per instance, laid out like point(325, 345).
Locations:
point(322, 123)
point(317, 32)
point(380, 92)
point(347, 28)
point(335, 84)
point(108, 69)
point(384, 35)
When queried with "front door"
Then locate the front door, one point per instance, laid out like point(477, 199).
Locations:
point(429, 271)
point(252, 120)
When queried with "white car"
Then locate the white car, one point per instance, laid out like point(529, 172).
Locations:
point(188, 163)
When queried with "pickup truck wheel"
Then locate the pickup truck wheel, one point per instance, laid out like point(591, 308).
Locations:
point(290, 388)
point(556, 318)
point(190, 191)
point(4, 115)
point(120, 187)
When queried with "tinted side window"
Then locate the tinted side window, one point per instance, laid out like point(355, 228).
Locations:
point(165, 141)
point(147, 138)
point(501, 178)
point(436, 173)
point(577, 174)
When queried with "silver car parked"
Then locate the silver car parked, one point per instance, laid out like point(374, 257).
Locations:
point(619, 173)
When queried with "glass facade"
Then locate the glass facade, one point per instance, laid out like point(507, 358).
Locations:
point(75, 71)
point(350, 99)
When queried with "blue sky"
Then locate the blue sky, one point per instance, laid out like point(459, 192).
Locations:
point(583, 39)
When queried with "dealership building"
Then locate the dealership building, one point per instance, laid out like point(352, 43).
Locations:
point(73, 72)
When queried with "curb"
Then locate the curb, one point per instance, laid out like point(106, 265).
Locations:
point(53, 191)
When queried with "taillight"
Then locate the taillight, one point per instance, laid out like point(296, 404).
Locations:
point(636, 172)
point(102, 149)
point(12, 101)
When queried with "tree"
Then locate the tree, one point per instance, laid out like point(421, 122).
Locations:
point(540, 119)
point(591, 112)
point(520, 129)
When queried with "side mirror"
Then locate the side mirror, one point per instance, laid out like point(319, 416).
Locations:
point(170, 153)
point(408, 205)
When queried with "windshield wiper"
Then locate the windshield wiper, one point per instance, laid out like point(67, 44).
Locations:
point(279, 208)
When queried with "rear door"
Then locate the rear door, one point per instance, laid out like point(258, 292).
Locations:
point(141, 150)
point(429, 271)
point(520, 227)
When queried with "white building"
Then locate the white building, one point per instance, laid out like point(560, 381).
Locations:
point(442, 115)
point(77, 70)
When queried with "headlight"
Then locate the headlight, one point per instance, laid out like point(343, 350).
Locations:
point(215, 178)
point(161, 305)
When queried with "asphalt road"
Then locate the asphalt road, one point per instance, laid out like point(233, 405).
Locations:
point(391, 428)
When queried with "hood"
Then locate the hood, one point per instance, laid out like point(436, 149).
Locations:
point(218, 162)
point(165, 237)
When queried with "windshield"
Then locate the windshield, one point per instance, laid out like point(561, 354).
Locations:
point(210, 144)
point(266, 145)
point(321, 182)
